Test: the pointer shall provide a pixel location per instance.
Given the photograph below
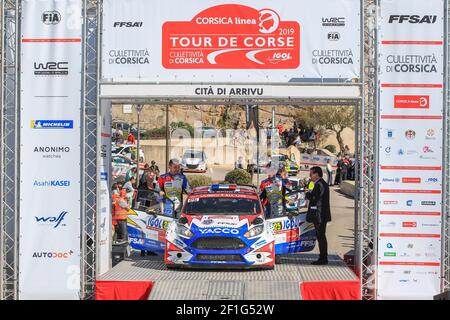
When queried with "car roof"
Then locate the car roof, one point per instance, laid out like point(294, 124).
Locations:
point(239, 189)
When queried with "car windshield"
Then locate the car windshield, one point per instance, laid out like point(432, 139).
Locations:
point(221, 205)
point(294, 184)
point(194, 154)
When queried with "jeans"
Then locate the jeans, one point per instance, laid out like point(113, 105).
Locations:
point(330, 178)
point(122, 230)
point(322, 240)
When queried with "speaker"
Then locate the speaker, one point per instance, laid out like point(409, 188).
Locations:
point(119, 252)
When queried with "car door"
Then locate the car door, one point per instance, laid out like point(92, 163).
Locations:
point(292, 233)
point(146, 224)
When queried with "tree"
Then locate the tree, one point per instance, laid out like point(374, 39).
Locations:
point(329, 118)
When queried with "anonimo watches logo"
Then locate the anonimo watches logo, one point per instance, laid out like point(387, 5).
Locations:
point(51, 17)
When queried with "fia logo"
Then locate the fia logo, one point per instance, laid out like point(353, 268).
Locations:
point(51, 17)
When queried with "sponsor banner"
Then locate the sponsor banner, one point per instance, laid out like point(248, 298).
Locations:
point(50, 212)
point(104, 214)
point(311, 160)
point(411, 60)
point(216, 41)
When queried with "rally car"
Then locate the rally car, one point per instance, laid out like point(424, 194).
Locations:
point(194, 161)
point(218, 226)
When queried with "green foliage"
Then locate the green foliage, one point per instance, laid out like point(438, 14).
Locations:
point(182, 125)
point(199, 181)
point(238, 176)
point(331, 148)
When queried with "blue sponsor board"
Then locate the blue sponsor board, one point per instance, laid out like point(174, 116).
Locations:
point(51, 124)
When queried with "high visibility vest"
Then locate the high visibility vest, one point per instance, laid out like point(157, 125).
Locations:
point(119, 212)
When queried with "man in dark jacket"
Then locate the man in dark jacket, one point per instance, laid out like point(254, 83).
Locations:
point(319, 198)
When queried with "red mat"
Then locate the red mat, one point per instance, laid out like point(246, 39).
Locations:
point(331, 290)
point(122, 290)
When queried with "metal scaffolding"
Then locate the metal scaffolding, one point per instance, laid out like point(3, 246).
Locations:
point(89, 147)
point(446, 182)
point(9, 177)
point(368, 157)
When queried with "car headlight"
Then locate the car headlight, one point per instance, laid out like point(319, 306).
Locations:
point(255, 231)
point(183, 231)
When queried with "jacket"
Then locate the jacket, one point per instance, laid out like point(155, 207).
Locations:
point(320, 197)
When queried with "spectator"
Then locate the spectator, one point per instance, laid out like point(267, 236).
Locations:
point(131, 139)
point(118, 135)
point(280, 129)
point(344, 169)
point(346, 151)
point(330, 173)
point(129, 189)
point(297, 141)
point(121, 209)
point(130, 173)
point(239, 164)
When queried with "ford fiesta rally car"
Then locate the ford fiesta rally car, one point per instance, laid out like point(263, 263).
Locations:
point(218, 226)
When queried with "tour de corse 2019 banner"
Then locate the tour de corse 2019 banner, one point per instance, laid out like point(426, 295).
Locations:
point(411, 98)
point(247, 41)
point(50, 135)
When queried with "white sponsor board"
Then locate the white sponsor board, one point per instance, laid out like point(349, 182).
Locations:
point(215, 41)
point(49, 254)
point(411, 68)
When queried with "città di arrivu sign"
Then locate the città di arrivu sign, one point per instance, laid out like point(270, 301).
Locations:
point(233, 91)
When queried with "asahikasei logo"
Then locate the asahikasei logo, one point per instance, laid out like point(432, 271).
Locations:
point(51, 124)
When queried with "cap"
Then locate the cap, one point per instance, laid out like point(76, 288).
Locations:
point(174, 161)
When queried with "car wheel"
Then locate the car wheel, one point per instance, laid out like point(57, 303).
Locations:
point(172, 266)
point(277, 259)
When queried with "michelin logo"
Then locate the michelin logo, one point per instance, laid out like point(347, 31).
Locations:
point(51, 124)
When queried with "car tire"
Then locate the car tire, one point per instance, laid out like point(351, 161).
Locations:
point(277, 259)
point(172, 267)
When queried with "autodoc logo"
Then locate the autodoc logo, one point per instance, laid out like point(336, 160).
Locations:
point(51, 183)
point(419, 19)
point(51, 68)
point(333, 21)
point(51, 17)
point(51, 124)
point(53, 254)
point(409, 203)
point(55, 221)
